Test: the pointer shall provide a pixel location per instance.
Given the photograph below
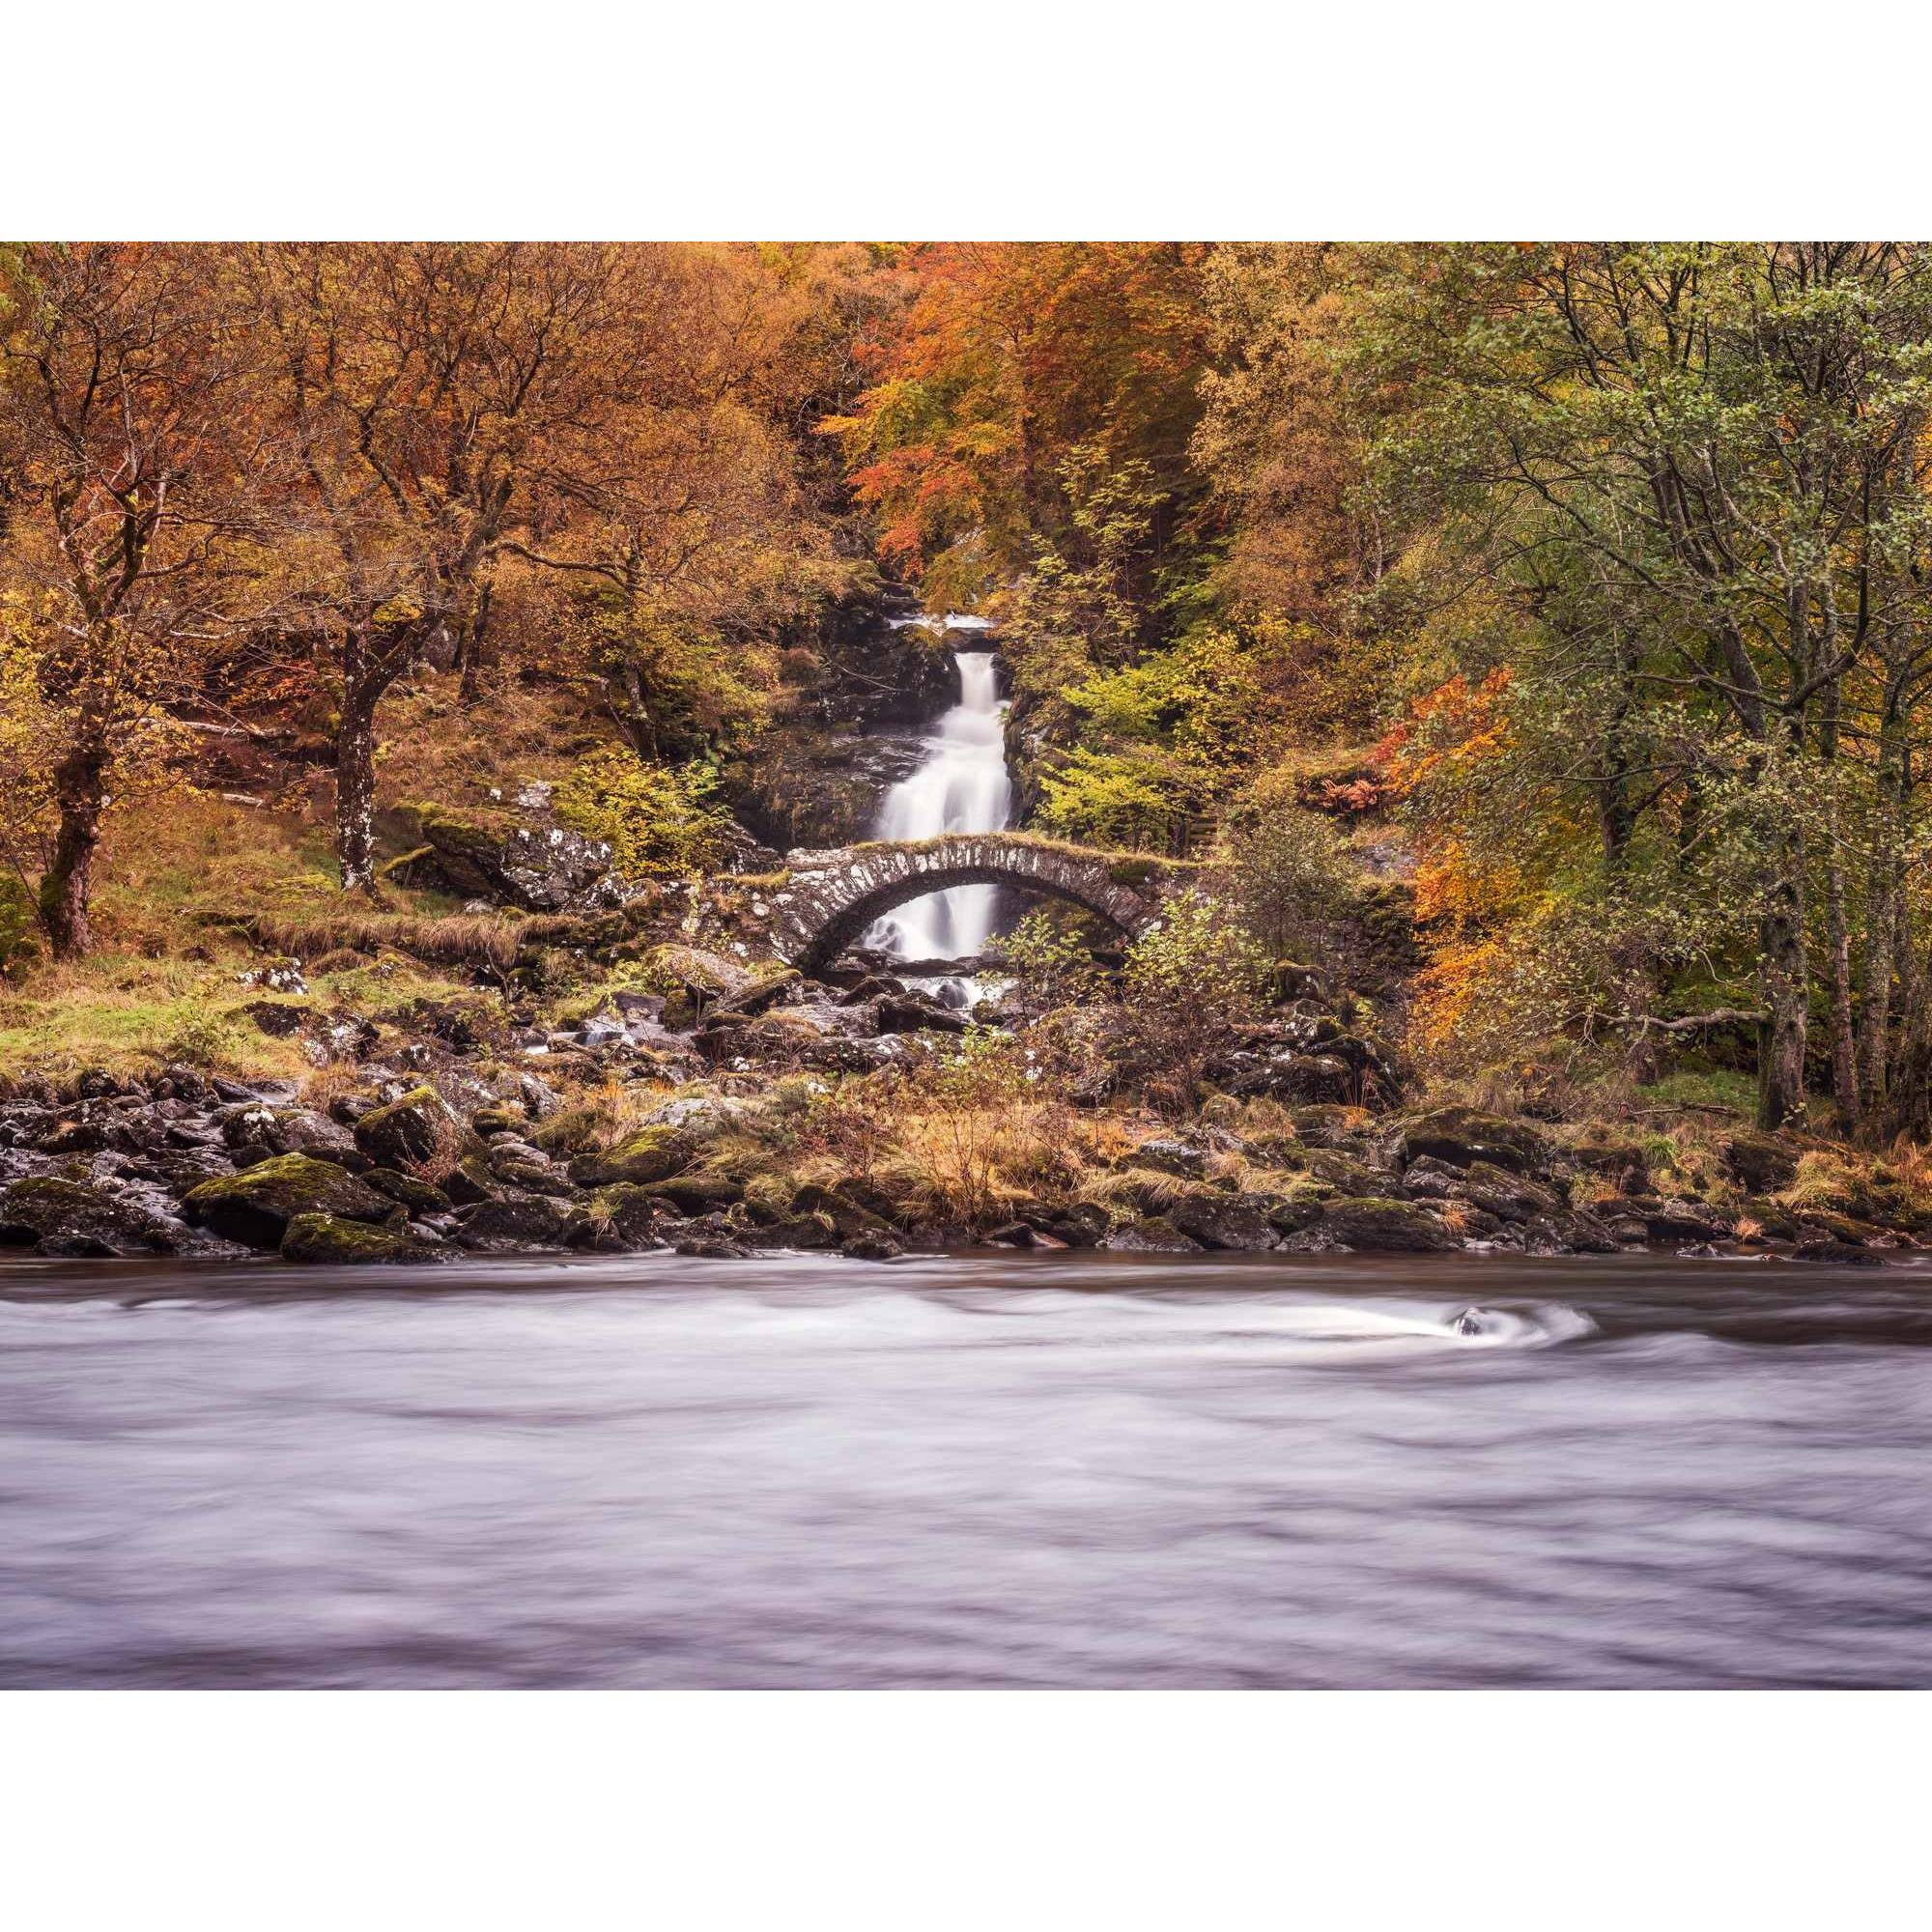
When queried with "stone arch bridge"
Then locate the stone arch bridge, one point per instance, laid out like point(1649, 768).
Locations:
point(831, 897)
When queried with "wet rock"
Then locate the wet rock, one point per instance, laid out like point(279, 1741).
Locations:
point(1376, 1224)
point(918, 1012)
point(256, 1206)
point(328, 1238)
point(873, 1245)
point(1679, 1220)
point(1505, 1195)
point(1080, 1226)
point(1836, 1254)
point(292, 1130)
point(70, 1217)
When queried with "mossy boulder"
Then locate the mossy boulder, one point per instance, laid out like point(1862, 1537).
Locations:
point(1464, 1136)
point(256, 1206)
point(623, 1219)
point(409, 1131)
point(332, 1238)
point(1155, 1235)
point(1378, 1225)
point(652, 1153)
point(72, 1217)
point(1235, 1221)
point(1760, 1163)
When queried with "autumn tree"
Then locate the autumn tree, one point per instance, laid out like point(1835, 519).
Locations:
point(131, 534)
point(426, 390)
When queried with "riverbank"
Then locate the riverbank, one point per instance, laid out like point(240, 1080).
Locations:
point(872, 1120)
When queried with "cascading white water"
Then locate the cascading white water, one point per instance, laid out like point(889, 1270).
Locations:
point(961, 785)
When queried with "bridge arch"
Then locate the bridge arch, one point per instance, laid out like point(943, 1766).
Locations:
point(832, 897)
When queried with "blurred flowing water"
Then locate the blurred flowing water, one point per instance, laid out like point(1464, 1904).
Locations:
point(986, 1470)
point(960, 785)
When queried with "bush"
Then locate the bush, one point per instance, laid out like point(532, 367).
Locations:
point(1289, 874)
point(655, 818)
point(1192, 979)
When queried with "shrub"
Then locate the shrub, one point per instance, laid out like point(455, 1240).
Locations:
point(1192, 979)
point(655, 818)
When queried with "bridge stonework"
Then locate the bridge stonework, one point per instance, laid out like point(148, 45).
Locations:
point(831, 897)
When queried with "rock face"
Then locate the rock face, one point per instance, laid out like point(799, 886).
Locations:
point(831, 897)
point(256, 1206)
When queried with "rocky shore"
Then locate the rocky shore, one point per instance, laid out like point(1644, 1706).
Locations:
point(445, 1136)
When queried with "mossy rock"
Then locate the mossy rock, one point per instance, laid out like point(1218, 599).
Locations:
point(256, 1206)
point(1461, 1135)
point(1760, 1163)
point(419, 1196)
point(623, 1219)
point(697, 1193)
point(72, 1217)
point(410, 1130)
point(330, 1238)
point(1377, 1225)
point(653, 1153)
point(499, 1120)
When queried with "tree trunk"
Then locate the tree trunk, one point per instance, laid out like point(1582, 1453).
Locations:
point(68, 884)
point(471, 650)
point(1783, 978)
point(1837, 931)
point(356, 789)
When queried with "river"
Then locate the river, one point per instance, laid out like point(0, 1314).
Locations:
point(978, 1470)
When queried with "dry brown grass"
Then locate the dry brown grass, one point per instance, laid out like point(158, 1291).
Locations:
point(449, 939)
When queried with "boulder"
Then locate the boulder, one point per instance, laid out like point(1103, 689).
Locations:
point(1760, 1163)
point(256, 1206)
point(72, 1217)
point(1168, 1156)
point(623, 1219)
point(653, 1153)
point(873, 1245)
point(527, 1221)
point(419, 1196)
point(1463, 1136)
point(1375, 1224)
point(1153, 1236)
point(410, 1130)
point(330, 1238)
point(1235, 1221)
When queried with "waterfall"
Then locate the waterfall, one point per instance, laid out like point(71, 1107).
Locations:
point(960, 785)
